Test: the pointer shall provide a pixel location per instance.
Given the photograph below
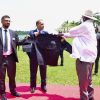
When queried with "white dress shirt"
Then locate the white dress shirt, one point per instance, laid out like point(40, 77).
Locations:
point(9, 42)
point(84, 45)
point(41, 32)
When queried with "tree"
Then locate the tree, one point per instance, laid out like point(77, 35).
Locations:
point(97, 15)
point(22, 32)
point(66, 25)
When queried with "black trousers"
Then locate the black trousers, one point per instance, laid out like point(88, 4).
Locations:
point(97, 61)
point(8, 65)
point(61, 57)
point(33, 72)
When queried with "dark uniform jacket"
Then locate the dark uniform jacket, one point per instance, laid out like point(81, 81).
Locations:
point(46, 48)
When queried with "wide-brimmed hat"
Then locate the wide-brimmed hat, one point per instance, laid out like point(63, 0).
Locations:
point(89, 14)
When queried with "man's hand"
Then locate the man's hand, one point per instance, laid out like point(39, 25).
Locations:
point(36, 33)
point(62, 39)
point(60, 34)
point(27, 36)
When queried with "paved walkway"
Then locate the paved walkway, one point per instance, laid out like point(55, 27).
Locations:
point(55, 92)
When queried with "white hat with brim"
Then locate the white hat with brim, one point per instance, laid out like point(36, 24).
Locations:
point(89, 14)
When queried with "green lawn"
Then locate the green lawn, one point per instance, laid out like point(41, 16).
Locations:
point(65, 75)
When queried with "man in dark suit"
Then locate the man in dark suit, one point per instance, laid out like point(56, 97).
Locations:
point(61, 52)
point(98, 52)
point(64, 46)
point(34, 62)
point(8, 57)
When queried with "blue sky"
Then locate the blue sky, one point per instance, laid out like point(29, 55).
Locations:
point(24, 13)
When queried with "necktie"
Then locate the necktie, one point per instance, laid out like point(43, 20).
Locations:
point(5, 41)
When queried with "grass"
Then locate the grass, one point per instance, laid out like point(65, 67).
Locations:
point(65, 75)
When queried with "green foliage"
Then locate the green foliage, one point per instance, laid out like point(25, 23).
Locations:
point(66, 25)
point(22, 32)
point(97, 15)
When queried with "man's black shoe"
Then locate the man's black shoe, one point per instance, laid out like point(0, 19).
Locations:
point(32, 90)
point(15, 94)
point(61, 65)
point(3, 97)
point(91, 98)
point(44, 89)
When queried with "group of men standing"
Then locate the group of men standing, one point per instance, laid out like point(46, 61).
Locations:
point(84, 50)
point(8, 58)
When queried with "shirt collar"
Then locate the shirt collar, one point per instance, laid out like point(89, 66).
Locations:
point(5, 29)
point(39, 30)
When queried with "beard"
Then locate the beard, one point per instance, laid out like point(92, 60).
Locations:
point(6, 26)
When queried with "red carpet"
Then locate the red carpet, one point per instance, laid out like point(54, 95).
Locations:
point(55, 92)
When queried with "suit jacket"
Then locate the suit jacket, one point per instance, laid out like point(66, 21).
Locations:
point(35, 50)
point(48, 46)
point(66, 46)
point(14, 42)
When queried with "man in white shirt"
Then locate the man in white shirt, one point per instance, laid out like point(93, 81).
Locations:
point(84, 49)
